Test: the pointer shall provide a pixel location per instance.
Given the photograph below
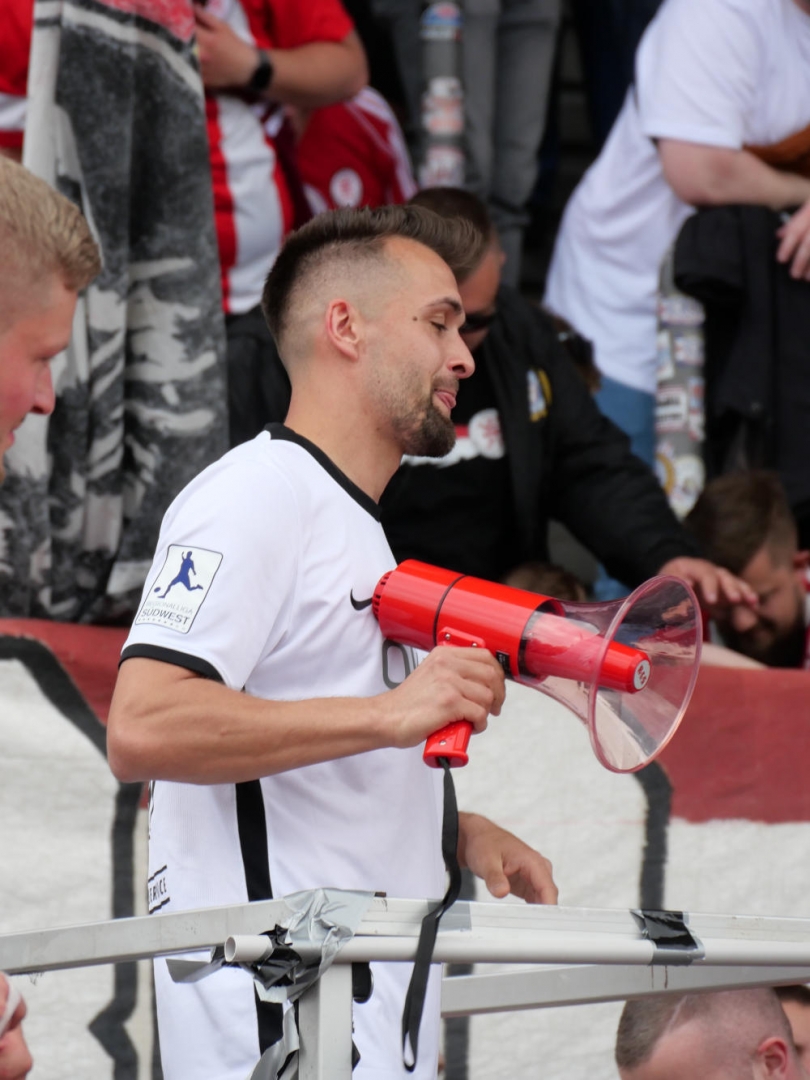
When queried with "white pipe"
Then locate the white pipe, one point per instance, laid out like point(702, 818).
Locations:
point(247, 948)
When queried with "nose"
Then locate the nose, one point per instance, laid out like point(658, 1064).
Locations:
point(462, 363)
point(743, 618)
point(44, 395)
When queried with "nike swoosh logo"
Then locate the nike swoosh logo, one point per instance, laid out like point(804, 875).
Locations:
point(360, 605)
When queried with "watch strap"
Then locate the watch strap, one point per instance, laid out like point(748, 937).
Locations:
point(263, 72)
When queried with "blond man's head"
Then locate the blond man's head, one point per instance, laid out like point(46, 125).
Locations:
point(47, 254)
point(42, 235)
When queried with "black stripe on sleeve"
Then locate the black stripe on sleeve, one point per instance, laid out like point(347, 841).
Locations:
point(172, 656)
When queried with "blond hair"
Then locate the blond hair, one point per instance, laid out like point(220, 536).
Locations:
point(41, 233)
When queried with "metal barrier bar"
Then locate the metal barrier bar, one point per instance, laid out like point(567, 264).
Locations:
point(612, 958)
point(538, 988)
point(471, 932)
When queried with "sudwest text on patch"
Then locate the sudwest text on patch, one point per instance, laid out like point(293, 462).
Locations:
point(178, 592)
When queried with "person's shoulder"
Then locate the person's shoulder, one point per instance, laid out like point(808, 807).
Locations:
point(255, 468)
point(513, 301)
point(518, 314)
point(723, 16)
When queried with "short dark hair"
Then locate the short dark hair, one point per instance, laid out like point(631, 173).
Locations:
point(736, 515)
point(361, 234)
point(453, 202)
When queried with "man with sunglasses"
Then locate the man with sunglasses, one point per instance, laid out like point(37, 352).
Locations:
point(531, 445)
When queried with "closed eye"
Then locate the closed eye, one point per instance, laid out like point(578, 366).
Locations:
point(440, 326)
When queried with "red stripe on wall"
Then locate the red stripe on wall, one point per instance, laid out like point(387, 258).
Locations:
point(743, 749)
point(89, 654)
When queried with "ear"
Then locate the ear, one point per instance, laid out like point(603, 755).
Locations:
point(773, 1059)
point(801, 560)
point(344, 328)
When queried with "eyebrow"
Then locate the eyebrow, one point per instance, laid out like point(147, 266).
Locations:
point(446, 301)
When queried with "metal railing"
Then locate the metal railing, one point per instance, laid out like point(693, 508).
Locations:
point(589, 955)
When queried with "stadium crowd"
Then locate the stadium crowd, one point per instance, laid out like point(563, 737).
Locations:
point(390, 387)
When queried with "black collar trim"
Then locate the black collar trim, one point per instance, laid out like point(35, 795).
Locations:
point(279, 431)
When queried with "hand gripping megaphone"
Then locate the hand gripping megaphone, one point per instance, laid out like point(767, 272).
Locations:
point(626, 668)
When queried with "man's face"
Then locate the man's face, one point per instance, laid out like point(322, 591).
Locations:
point(774, 631)
point(35, 333)
point(479, 295)
point(418, 356)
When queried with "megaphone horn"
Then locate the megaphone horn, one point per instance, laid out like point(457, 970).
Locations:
point(626, 668)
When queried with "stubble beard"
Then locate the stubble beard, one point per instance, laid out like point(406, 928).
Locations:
point(427, 433)
point(783, 651)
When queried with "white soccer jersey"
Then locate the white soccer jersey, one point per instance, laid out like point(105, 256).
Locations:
point(263, 577)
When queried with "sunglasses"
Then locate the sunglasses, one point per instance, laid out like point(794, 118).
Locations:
point(477, 320)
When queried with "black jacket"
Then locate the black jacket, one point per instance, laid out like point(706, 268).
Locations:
point(570, 463)
point(757, 337)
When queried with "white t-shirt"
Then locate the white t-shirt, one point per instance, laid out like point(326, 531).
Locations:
point(263, 574)
point(725, 73)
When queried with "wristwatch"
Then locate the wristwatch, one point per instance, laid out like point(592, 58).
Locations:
point(263, 73)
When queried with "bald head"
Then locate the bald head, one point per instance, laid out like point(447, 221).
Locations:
point(728, 1035)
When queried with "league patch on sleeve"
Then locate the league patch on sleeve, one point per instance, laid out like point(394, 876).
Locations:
point(180, 588)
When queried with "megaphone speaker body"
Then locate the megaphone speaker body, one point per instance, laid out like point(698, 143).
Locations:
point(626, 668)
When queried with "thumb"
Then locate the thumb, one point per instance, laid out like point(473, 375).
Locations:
point(497, 882)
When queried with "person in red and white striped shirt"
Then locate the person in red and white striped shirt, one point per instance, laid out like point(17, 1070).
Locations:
point(257, 56)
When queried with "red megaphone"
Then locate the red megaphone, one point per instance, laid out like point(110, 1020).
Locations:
point(627, 668)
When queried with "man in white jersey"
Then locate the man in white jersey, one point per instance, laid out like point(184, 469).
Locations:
point(262, 583)
point(722, 93)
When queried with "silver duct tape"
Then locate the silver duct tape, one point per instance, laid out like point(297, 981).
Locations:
point(286, 961)
point(297, 950)
point(271, 1064)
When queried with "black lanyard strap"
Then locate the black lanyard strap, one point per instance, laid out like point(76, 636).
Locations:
point(415, 998)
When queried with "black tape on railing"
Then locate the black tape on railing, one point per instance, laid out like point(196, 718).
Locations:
point(673, 940)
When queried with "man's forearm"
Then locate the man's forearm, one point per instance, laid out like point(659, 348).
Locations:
point(716, 176)
point(318, 74)
point(167, 723)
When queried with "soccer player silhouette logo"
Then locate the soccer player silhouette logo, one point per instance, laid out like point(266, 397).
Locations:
point(182, 577)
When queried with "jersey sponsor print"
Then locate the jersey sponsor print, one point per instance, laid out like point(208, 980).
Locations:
point(180, 588)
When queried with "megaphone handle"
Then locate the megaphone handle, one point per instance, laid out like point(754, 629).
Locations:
point(451, 741)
